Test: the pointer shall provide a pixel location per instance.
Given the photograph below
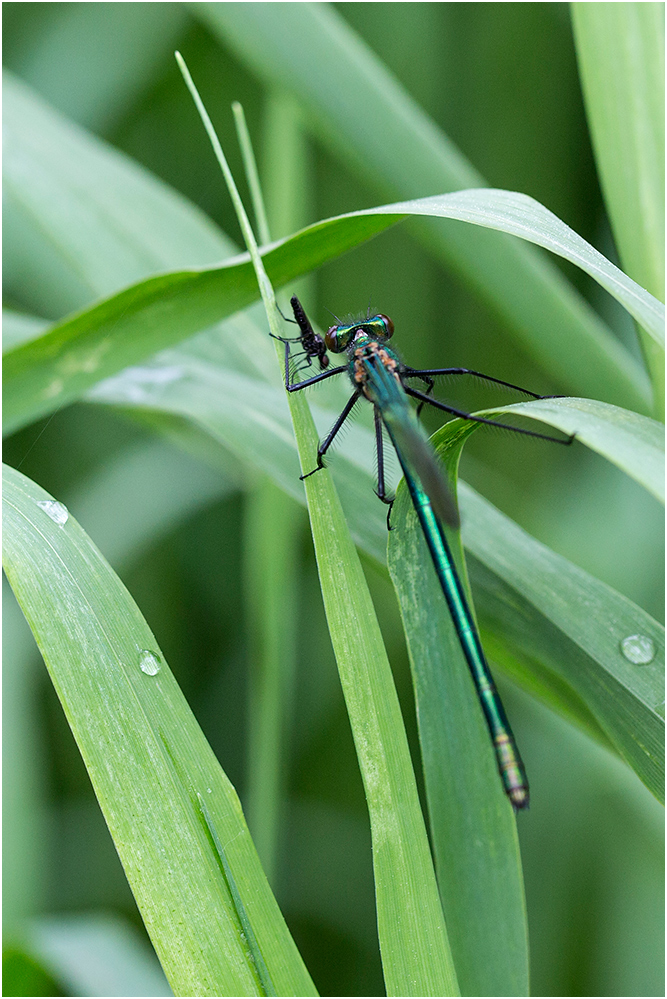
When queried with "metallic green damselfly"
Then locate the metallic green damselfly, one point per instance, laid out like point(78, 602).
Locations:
point(377, 374)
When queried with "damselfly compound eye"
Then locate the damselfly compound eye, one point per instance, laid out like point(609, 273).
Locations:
point(387, 325)
point(331, 339)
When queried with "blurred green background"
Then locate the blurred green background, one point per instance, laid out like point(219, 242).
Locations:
point(501, 80)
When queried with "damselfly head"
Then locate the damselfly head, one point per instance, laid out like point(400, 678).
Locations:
point(338, 338)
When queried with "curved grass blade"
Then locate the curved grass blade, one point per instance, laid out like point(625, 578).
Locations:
point(47, 372)
point(556, 626)
point(62, 175)
point(519, 215)
point(146, 756)
point(624, 696)
point(353, 103)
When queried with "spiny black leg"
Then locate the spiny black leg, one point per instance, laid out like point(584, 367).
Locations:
point(326, 443)
point(379, 448)
point(416, 394)
point(316, 378)
point(289, 385)
point(421, 372)
point(296, 386)
point(286, 339)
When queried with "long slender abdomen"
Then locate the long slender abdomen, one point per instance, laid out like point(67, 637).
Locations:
point(509, 761)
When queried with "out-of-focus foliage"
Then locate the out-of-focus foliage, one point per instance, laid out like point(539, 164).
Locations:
point(501, 81)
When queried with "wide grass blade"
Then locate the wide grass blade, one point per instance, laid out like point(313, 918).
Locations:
point(569, 638)
point(44, 373)
point(622, 645)
point(147, 759)
point(87, 198)
point(473, 828)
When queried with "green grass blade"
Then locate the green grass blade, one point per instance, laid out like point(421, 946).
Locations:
point(252, 175)
point(87, 196)
point(413, 939)
point(473, 828)
point(621, 55)
point(146, 756)
point(47, 372)
point(88, 199)
point(519, 215)
point(482, 896)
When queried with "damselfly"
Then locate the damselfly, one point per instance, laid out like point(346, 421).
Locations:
point(377, 374)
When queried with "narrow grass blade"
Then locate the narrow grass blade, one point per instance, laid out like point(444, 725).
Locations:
point(146, 756)
point(413, 939)
point(621, 55)
point(273, 523)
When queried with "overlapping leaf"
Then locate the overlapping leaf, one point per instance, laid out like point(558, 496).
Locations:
point(147, 758)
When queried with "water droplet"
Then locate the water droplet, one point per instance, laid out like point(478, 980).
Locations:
point(638, 649)
point(209, 790)
point(55, 510)
point(149, 662)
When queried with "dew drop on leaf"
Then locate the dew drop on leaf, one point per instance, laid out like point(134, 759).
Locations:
point(638, 649)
